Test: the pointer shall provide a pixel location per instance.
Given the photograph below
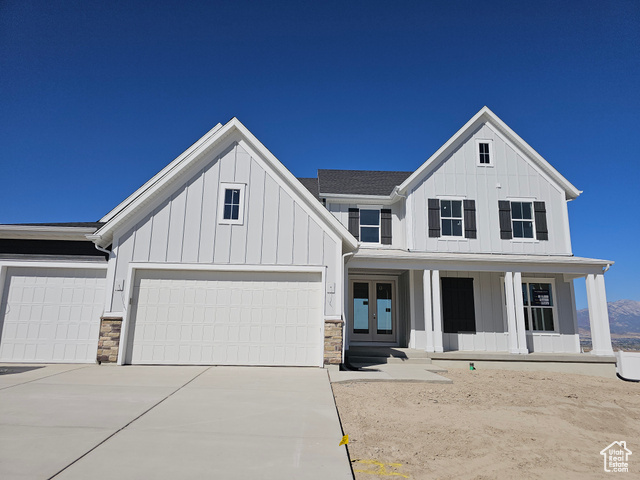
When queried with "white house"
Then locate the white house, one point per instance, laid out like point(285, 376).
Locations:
point(224, 257)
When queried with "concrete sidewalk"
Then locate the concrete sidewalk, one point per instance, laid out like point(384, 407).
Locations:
point(79, 422)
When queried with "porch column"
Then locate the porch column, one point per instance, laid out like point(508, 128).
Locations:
point(519, 305)
point(437, 311)
point(428, 309)
point(598, 315)
point(511, 313)
point(412, 309)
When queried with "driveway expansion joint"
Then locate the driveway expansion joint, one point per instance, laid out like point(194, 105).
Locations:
point(127, 425)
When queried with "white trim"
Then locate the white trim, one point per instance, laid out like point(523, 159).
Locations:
point(490, 143)
point(371, 208)
point(461, 218)
point(428, 309)
point(511, 313)
point(134, 267)
point(412, 309)
point(53, 264)
point(351, 198)
point(42, 232)
point(486, 116)
point(522, 220)
point(197, 152)
point(519, 304)
point(408, 220)
point(554, 293)
point(224, 186)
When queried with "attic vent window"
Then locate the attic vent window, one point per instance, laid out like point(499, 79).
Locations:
point(485, 153)
point(231, 208)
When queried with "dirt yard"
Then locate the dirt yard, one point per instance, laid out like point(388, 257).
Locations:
point(490, 424)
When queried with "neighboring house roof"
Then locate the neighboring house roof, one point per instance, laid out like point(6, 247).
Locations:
point(216, 137)
point(487, 116)
point(359, 182)
point(50, 231)
point(311, 184)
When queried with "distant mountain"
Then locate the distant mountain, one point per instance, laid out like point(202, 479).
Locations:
point(624, 317)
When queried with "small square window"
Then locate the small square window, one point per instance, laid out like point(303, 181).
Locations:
point(484, 153)
point(231, 208)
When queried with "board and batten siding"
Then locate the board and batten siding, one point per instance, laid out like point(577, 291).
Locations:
point(491, 322)
point(341, 212)
point(183, 226)
point(510, 176)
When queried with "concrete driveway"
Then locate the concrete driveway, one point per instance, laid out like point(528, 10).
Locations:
point(89, 421)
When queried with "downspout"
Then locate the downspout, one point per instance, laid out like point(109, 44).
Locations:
point(407, 224)
point(345, 285)
point(606, 269)
point(108, 252)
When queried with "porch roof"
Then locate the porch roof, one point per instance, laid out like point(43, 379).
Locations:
point(493, 262)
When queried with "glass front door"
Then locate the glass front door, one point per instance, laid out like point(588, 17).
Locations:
point(372, 311)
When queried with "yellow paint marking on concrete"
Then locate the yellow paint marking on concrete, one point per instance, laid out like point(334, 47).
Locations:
point(344, 440)
point(382, 468)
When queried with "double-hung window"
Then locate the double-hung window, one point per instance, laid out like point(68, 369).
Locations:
point(451, 218)
point(370, 226)
point(484, 153)
point(538, 306)
point(231, 208)
point(522, 219)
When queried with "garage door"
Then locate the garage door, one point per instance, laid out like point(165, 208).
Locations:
point(226, 318)
point(51, 314)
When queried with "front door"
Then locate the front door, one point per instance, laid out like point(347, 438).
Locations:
point(372, 311)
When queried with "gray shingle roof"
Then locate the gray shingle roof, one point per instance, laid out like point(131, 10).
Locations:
point(311, 184)
point(359, 182)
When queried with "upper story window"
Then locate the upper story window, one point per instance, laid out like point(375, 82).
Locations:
point(484, 152)
point(451, 218)
point(522, 219)
point(370, 226)
point(231, 209)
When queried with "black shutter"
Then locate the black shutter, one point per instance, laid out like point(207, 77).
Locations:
point(470, 219)
point(434, 217)
point(354, 222)
point(541, 221)
point(504, 209)
point(458, 310)
point(385, 226)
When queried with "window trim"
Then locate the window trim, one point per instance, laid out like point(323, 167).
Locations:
point(533, 220)
point(231, 186)
point(370, 207)
point(490, 143)
point(554, 307)
point(449, 199)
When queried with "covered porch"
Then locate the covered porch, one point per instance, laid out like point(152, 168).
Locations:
point(509, 304)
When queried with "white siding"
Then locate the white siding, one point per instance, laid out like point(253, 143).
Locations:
point(341, 212)
point(183, 227)
point(510, 176)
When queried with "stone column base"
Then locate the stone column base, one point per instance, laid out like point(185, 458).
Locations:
point(332, 342)
point(109, 341)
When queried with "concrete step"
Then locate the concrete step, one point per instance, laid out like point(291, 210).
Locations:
point(375, 366)
point(374, 360)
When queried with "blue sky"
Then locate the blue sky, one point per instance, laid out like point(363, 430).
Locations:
point(96, 97)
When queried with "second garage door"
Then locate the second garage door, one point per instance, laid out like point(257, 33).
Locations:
point(226, 318)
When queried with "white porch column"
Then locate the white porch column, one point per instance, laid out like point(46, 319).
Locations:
point(511, 313)
point(412, 309)
point(428, 309)
point(519, 306)
point(437, 311)
point(598, 315)
point(594, 313)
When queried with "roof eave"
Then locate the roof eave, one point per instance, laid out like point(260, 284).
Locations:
point(32, 232)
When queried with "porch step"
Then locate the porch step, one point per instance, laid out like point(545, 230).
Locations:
point(367, 356)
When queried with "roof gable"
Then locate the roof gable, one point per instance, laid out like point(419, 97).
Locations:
point(485, 115)
point(218, 137)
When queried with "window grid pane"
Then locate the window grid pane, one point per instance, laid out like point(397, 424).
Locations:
point(231, 204)
point(451, 218)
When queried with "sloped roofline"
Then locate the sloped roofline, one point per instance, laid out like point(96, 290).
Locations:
point(122, 213)
point(486, 115)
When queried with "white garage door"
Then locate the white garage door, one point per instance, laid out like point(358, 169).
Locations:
point(226, 318)
point(51, 314)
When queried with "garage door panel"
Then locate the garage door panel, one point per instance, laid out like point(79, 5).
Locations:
point(228, 318)
point(51, 314)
